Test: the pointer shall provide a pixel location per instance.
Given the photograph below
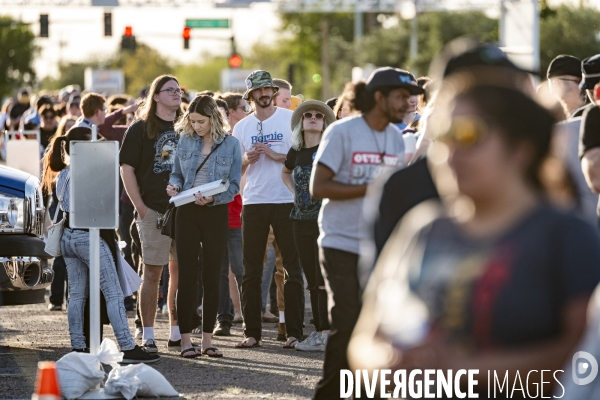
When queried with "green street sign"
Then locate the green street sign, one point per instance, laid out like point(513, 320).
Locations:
point(207, 23)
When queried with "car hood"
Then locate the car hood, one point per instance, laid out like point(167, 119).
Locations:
point(12, 181)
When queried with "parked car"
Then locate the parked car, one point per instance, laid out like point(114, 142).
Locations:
point(25, 273)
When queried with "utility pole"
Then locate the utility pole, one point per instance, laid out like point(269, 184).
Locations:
point(325, 83)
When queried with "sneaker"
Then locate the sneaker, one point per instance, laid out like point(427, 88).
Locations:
point(175, 345)
point(222, 330)
point(54, 307)
point(312, 343)
point(139, 332)
point(165, 310)
point(138, 355)
point(150, 346)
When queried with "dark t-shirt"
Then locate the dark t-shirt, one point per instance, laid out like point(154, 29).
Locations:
point(45, 136)
point(152, 160)
point(589, 131)
point(301, 162)
point(507, 291)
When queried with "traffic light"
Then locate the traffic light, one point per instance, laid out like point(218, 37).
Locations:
point(128, 40)
point(44, 25)
point(187, 34)
point(107, 24)
point(235, 61)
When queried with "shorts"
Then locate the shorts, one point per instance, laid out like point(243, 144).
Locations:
point(157, 249)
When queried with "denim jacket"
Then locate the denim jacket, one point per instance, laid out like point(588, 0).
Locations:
point(225, 162)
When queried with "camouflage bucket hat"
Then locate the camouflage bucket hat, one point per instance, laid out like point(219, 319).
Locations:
point(259, 79)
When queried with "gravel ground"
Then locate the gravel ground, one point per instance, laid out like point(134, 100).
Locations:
point(29, 334)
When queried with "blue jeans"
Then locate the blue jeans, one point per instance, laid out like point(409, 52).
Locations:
point(233, 258)
point(75, 246)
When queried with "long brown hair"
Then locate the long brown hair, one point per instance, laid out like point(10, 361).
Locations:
point(147, 112)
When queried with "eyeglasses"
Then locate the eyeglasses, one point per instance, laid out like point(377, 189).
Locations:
point(171, 91)
point(465, 132)
point(309, 115)
point(259, 128)
point(245, 107)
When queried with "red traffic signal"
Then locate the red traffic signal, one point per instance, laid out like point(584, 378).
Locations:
point(187, 32)
point(235, 61)
point(128, 31)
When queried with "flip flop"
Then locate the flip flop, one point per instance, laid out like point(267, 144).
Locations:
point(214, 350)
point(243, 345)
point(190, 353)
point(292, 344)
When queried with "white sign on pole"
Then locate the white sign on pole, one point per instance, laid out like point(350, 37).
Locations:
point(234, 80)
point(519, 33)
point(94, 205)
point(109, 81)
point(94, 184)
point(23, 151)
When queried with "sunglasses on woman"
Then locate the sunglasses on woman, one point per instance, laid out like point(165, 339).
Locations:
point(309, 115)
point(465, 132)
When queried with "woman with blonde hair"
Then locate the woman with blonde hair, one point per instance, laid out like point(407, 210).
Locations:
point(205, 153)
point(309, 121)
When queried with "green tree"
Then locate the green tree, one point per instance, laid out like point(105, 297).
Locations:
point(205, 76)
point(140, 68)
point(569, 30)
point(17, 52)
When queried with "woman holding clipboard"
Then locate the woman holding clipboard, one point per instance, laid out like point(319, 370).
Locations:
point(205, 153)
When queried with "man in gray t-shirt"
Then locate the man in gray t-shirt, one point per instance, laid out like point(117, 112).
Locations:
point(352, 153)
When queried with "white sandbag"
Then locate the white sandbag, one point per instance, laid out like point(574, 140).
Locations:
point(138, 380)
point(80, 372)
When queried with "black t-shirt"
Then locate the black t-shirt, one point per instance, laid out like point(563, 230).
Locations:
point(301, 162)
point(152, 160)
point(46, 135)
point(590, 130)
point(505, 291)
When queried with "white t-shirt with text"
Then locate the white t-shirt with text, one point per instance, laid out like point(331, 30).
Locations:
point(263, 178)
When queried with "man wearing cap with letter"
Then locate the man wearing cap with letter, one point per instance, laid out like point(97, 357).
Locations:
point(352, 153)
point(266, 136)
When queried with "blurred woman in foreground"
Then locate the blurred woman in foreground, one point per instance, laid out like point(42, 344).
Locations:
point(495, 278)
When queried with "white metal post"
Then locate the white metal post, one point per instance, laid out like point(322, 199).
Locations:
point(95, 325)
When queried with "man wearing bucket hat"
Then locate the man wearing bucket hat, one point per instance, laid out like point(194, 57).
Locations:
point(309, 121)
point(352, 153)
point(266, 137)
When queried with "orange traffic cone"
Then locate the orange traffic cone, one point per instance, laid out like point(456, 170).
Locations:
point(46, 387)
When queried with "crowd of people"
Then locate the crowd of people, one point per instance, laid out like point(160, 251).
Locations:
point(440, 222)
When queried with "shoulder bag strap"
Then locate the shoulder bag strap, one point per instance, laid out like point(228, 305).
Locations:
point(209, 154)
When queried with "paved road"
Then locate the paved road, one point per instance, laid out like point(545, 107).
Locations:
point(30, 334)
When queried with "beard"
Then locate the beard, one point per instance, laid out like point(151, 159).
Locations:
point(261, 101)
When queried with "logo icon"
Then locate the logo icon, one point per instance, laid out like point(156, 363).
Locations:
point(581, 368)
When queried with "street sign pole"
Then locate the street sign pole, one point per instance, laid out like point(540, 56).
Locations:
point(95, 325)
point(94, 206)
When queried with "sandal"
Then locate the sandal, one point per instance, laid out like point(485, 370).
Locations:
point(244, 344)
point(291, 345)
point(190, 353)
point(214, 352)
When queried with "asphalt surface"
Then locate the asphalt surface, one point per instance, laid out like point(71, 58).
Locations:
point(29, 334)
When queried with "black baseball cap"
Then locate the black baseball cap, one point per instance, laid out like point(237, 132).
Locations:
point(465, 53)
point(393, 77)
point(564, 65)
point(590, 71)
